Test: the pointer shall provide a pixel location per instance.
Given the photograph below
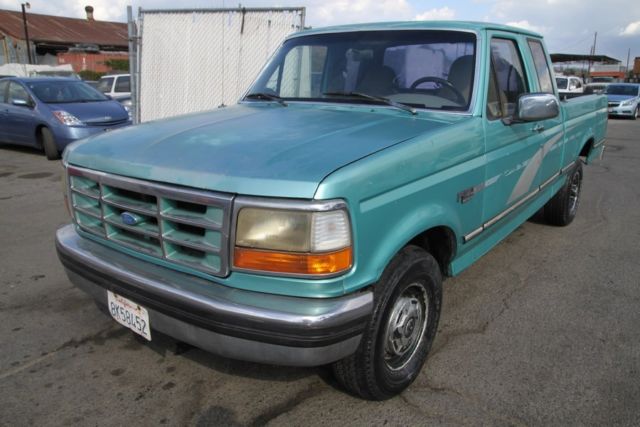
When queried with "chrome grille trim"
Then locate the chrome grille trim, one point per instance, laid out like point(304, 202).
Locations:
point(183, 226)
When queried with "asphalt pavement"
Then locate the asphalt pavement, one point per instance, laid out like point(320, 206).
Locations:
point(543, 330)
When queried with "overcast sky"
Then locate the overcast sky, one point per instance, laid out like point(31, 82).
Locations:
point(568, 25)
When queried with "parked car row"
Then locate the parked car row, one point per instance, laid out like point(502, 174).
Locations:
point(49, 113)
point(623, 98)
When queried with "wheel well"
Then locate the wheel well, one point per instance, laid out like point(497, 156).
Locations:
point(39, 134)
point(439, 242)
point(586, 148)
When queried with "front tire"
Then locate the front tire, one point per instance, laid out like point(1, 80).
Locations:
point(562, 208)
point(398, 337)
point(49, 144)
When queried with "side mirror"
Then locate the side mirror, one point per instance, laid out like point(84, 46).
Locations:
point(537, 106)
point(21, 103)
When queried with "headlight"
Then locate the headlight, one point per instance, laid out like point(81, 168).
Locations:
point(128, 110)
point(627, 102)
point(67, 118)
point(293, 241)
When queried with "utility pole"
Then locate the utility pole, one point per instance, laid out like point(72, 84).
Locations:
point(591, 54)
point(626, 70)
point(26, 30)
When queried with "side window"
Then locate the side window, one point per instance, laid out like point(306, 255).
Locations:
point(507, 79)
point(3, 90)
point(17, 92)
point(542, 66)
point(123, 84)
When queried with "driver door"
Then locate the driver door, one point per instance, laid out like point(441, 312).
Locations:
point(514, 150)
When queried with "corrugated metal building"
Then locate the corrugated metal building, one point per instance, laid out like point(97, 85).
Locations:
point(51, 35)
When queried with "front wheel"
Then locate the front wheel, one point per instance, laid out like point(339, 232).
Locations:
point(49, 144)
point(397, 339)
point(562, 207)
point(636, 113)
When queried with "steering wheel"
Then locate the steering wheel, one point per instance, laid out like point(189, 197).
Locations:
point(443, 83)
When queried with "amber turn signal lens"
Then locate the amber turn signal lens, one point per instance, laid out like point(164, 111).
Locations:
point(294, 263)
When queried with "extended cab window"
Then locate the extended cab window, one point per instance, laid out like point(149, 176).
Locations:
point(507, 79)
point(542, 66)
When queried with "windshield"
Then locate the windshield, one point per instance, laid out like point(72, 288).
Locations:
point(630, 90)
point(56, 92)
point(423, 69)
point(562, 82)
point(105, 84)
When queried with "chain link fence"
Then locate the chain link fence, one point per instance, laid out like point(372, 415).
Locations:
point(194, 60)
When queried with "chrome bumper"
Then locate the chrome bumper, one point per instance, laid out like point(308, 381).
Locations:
point(225, 321)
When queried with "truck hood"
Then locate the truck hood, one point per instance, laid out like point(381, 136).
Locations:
point(261, 149)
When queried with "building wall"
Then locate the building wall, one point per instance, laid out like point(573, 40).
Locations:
point(13, 51)
point(81, 61)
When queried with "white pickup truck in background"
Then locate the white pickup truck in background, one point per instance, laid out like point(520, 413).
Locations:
point(569, 85)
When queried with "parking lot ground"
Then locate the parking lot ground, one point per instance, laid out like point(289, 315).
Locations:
point(542, 330)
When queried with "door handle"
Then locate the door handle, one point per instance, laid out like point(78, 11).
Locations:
point(537, 128)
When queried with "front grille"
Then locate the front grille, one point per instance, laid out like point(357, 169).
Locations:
point(106, 122)
point(183, 226)
point(614, 104)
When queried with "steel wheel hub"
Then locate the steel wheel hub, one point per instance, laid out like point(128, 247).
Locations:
point(574, 192)
point(405, 326)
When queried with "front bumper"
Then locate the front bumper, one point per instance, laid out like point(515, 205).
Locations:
point(627, 110)
point(65, 135)
point(225, 321)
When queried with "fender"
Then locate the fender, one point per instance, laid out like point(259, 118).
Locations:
point(409, 226)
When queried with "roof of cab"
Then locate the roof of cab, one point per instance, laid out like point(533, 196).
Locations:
point(417, 25)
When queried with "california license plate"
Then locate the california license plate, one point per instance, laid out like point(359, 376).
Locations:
point(129, 314)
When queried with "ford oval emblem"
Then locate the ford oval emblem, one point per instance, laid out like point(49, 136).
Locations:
point(129, 218)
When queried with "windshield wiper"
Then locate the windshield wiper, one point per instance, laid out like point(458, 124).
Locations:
point(381, 99)
point(267, 96)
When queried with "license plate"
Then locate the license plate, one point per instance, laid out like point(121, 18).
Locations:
point(611, 110)
point(129, 314)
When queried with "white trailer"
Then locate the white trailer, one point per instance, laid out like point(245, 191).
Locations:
point(192, 60)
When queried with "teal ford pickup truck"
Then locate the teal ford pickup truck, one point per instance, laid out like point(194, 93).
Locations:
point(313, 223)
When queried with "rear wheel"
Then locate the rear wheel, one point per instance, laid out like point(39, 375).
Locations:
point(49, 144)
point(562, 208)
point(401, 330)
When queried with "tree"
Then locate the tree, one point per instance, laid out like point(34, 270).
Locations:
point(117, 64)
